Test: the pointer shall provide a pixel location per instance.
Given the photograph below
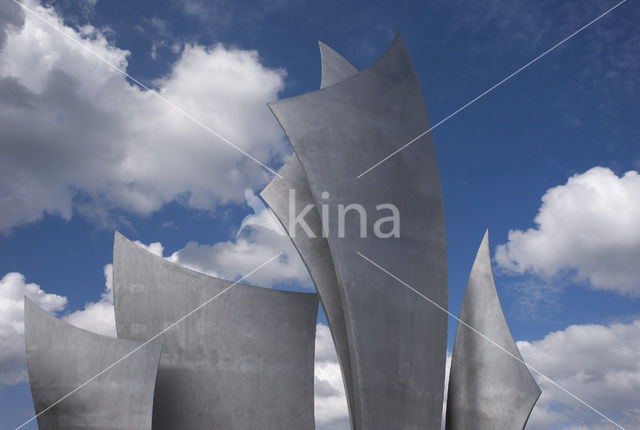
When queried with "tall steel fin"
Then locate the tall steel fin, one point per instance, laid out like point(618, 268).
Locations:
point(488, 389)
point(338, 132)
point(61, 357)
point(314, 251)
point(244, 361)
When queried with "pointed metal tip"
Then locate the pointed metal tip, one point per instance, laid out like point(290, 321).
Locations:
point(28, 302)
point(324, 48)
point(484, 245)
point(485, 238)
point(271, 104)
point(335, 67)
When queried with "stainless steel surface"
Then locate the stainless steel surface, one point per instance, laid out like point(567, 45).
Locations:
point(244, 361)
point(399, 341)
point(61, 357)
point(315, 251)
point(488, 389)
point(335, 67)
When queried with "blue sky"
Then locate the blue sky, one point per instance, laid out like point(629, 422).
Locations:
point(85, 153)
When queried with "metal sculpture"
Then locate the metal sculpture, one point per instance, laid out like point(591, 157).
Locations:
point(245, 361)
point(489, 388)
point(398, 343)
point(61, 358)
point(314, 251)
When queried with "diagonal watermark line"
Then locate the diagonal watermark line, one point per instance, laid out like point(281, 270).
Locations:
point(469, 103)
point(149, 340)
point(155, 93)
point(490, 340)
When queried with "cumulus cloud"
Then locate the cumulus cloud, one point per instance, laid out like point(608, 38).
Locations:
point(598, 363)
point(263, 238)
point(588, 228)
point(79, 137)
point(259, 239)
point(155, 248)
point(331, 410)
point(98, 317)
point(330, 400)
point(13, 288)
point(11, 17)
point(262, 216)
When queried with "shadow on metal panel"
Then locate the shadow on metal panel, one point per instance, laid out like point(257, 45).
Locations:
point(399, 345)
point(61, 357)
point(243, 361)
point(314, 251)
point(488, 389)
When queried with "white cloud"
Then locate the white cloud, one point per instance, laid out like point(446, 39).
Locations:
point(447, 371)
point(13, 288)
point(229, 260)
point(331, 410)
point(262, 215)
point(260, 238)
point(588, 228)
point(11, 17)
point(77, 136)
point(598, 363)
point(330, 401)
point(99, 317)
point(155, 248)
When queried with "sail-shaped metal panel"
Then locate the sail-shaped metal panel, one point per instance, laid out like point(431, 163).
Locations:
point(61, 358)
point(488, 388)
point(244, 361)
point(399, 341)
point(335, 67)
point(291, 187)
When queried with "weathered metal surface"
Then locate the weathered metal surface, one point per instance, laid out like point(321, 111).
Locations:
point(488, 389)
point(61, 357)
point(399, 341)
point(244, 361)
point(314, 251)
